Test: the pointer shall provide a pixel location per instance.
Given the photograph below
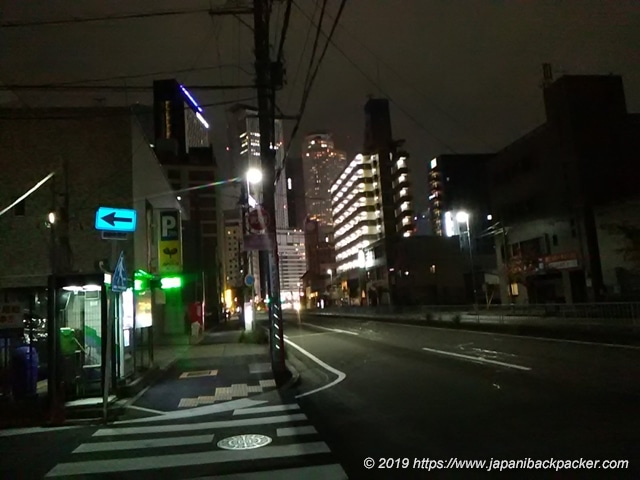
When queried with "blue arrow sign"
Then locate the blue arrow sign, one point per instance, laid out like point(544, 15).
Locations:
point(115, 219)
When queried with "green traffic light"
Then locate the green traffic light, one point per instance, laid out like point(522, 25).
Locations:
point(170, 282)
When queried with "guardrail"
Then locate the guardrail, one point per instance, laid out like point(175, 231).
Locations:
point(604, 314)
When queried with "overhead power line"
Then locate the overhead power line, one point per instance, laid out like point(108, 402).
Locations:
point(127, 16)
point(116, 88)
point(377, 85)
point(285, 27)
point(403, 78)
point(307, 92)
point(29, 192)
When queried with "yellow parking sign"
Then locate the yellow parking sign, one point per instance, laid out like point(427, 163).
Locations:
point(169, 242)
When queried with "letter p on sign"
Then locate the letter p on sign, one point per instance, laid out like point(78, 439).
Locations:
point(169, 226)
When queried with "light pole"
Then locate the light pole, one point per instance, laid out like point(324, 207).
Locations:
point(253, 177)
point(330, 272)
point(463, 217)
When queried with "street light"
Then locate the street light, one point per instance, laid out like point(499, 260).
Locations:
point(463, 217)
point(254, 176)
point(330, 273)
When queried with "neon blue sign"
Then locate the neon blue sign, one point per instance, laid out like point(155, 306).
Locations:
point(191, 99)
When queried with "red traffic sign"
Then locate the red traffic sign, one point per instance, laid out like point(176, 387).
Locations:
point(258, 218)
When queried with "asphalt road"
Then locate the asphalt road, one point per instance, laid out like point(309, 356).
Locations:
point(399, 394)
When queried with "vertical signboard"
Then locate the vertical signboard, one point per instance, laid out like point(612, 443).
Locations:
point(169, 242)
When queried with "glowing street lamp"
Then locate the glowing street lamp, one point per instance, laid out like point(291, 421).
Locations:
point(463, 217)
point(254, 176)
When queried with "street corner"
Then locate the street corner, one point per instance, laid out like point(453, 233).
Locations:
point(198, 382)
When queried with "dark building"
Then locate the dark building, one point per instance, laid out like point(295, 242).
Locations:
point(548, 186)
point(320, 254)
point(295, 193)
point(178, 121)
point(182, 146)
point(459, 183)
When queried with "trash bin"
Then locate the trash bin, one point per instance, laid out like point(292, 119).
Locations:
point(24, 372)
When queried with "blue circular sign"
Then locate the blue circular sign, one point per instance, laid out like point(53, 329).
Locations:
point(249, 280)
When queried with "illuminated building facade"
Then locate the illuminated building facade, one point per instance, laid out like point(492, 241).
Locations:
point(322, 164)
point(372, 208)
point(459, 183)
point(244, 151)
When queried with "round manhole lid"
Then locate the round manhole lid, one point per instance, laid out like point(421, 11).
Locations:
point(244, 442)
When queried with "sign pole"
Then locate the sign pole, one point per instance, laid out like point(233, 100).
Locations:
point(111, 295)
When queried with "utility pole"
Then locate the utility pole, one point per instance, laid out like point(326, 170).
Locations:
point(265, 85)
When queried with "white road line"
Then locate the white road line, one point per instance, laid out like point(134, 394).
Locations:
point(510, 335)
point(334, 330)
point(477, 359)
point(291, 431)
point(104, 432)
point(143, 409)
point(335, 371)
point(185, 459)
point(139, 444)
point(31, 430)
point(316, 472)
point(198, 411)
point(271, 409)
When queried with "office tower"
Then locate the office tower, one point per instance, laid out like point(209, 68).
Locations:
point(182, 145)
point(321, 165)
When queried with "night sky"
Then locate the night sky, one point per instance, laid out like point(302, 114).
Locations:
point(462, 75)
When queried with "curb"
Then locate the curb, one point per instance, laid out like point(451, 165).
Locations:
point(294, 380)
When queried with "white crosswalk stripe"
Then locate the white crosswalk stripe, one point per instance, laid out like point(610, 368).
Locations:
point(171, 450)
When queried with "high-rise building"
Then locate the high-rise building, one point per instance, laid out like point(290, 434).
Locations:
point(372, 206)
point(296, 202)
point(181, 143)
point(322, 163)
point(244, 149)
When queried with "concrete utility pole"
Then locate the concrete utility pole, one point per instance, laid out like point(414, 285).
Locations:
point(264, 69)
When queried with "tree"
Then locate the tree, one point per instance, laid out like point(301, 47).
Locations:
point(631, 237)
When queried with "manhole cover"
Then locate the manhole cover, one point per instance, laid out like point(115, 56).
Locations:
point(244, 442)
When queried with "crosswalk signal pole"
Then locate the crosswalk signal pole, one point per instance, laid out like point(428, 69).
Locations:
point(265, 87)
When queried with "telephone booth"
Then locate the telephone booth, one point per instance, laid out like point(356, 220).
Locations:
point(91, 326)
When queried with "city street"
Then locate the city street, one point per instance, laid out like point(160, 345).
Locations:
point(405, 396)
point(408, 392)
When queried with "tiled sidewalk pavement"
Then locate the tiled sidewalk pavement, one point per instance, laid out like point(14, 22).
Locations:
point(215, 370)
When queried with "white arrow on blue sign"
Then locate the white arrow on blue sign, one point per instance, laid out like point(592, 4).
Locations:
point(115, 219)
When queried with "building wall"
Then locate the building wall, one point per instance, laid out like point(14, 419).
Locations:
point(552, 180)
point(296, 203)
point(97, 146)
point(151, 190)
point(293, 264)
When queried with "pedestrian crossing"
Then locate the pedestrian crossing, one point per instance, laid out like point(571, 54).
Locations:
point(189, 449)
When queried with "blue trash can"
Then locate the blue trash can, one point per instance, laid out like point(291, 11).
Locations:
point(24, 372)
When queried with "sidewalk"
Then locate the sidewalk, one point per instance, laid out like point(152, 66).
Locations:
point(217, 369)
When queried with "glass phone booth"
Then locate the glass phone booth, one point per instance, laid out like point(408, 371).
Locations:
point(81, 310)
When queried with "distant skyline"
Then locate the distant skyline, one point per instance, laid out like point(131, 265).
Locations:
point(462, 77)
